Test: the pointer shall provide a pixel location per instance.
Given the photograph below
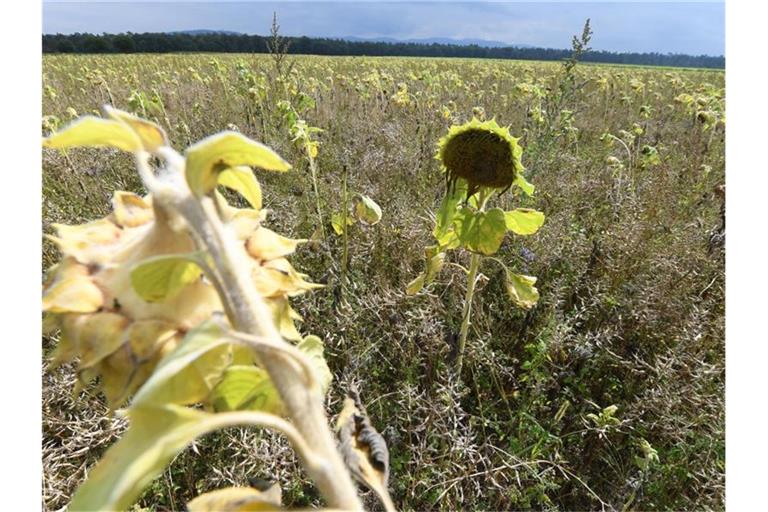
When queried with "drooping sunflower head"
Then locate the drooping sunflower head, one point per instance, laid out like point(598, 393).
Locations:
point(482, 153)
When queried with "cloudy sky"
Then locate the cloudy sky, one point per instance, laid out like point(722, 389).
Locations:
point(647, 26)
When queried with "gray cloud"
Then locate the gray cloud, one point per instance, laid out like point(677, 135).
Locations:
point(678, 27)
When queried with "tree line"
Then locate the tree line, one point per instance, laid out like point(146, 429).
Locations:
point(241, 43)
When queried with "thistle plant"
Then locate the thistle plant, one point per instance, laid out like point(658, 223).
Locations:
point(479, 158)
point(179, 304)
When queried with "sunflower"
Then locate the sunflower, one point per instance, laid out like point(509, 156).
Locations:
point(482, 153)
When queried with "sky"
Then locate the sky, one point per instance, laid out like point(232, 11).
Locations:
point(647, 26)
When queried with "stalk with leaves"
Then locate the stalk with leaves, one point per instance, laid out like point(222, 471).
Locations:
point(179, 304)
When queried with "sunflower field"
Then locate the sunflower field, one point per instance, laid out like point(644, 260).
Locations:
point(517, 266)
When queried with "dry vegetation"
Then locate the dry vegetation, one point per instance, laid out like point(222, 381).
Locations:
point(630, 265)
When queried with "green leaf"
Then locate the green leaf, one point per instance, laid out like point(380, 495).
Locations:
point(210, 156)
point(95, 131)
point(162, 277)
point(523, 221)
point(521, 289)
point(246, 387)
point(337, 222)
point(157, 434)
point(481, 232)
point(189, 373)
point(443, 232)
point(313, 347)
point(521, 182)
point(151, 135)
point(241, 180)
point(366, 210)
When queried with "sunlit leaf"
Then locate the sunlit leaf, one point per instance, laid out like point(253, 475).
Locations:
point(366, 210)
point(481, 232)
point(189, 374)
point(241, 180)
point(337, 222)
point(212, 155)
point(416, 285)
point(521, 289)
point(521, 182)
point(246, 387)
point(95, 131)
point(151, 135)
point(523, 221)
point(237, 499)
point(162, 277)
point(156, 435)
point(314, 348)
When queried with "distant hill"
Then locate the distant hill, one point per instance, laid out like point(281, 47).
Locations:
point(484, 43)
point(205, 31)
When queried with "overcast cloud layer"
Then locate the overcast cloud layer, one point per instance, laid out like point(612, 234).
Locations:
point(681, 27)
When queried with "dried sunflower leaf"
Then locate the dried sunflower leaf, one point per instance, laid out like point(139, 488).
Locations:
point(364, 450)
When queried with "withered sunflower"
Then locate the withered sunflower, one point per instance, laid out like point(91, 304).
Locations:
point(482, 153)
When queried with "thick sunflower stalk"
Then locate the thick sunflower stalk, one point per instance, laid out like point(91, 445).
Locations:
point(177, 299)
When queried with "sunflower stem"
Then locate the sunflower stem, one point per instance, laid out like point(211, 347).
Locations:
point(248, 313)
point(474, 266)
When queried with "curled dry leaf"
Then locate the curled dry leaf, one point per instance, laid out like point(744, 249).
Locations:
point(364, 450)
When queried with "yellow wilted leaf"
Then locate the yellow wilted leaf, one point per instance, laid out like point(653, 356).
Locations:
point(337, 222)
point(207, 158)
point(237, 499)
point(521, 289)
point(284, 316)
point(151, 135)
point(416, 285)
point(313, 347)
point(241, 180)
point(366, 210)
point(94, 131)
point(99, 336)
point(162, 277)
